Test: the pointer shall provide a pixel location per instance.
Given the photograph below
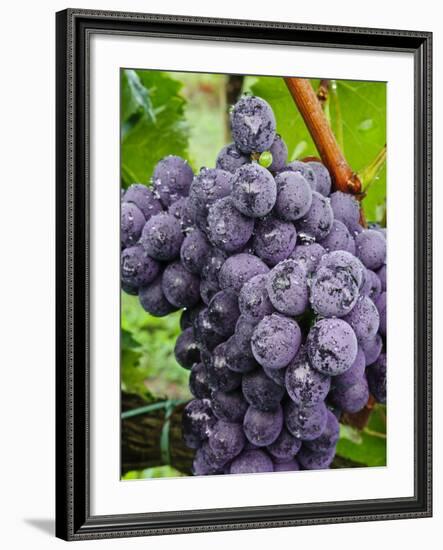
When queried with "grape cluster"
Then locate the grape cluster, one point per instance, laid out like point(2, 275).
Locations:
point(283, 291)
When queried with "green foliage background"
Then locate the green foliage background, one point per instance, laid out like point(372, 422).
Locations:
point(186, 114)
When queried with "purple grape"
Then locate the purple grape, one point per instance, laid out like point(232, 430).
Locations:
point(376, 375)
point(243, 334)
point(305, 423)
point(339, 238)
point(382, 276)
point(188, 316)
point(131, 224)
point(228, 229)
point(181, 288)
point(305, 385)
point(355, 372)
point(198, 384)
point(315, 460)
point(253, 301)
point(162, 237)
point(194, 251)
point(285, 447)
point(207, 291)
point(371, 248)
point(260, 391)
point(317, 223)
point(263, 427)
point(236, 360)
point(251, 462)
point(364, 319)
point(223, 312)
point(186, 349)
point(144, 200)
point(346, 209)
point(153, 300)
point(381, 307)
point(252, 124)
point(277, 375)
point(254, 190)
point(308, 256)
point(220, 376)
point(230, 158)
point(172, 179)
point(288, 288)
point(275, 341)
point(279, 153)
point(322, 177)
point(183, 210)
point(372, 349)
point(129, 289)
point(207, 462)
point(204, 332)
point(274, 240)
point(226, 440)
point(198, 418)
point(333, 293)
point(372, 285)
point(288, 466)
point(229, 406)
point(207, 187)
point(238, 269)
point(216, 258)
point(351, 399)
point(340, 260)
point(329, 437)
point(137, 268)
point(331, 346)
point(294, 196)
point(305, 170)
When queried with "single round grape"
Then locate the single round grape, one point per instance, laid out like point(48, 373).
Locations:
point(238, 269)
point(263, 427)
point(338, 238)
point(137, 268)
point(144, 199)
point(209, 185)
point(181, 288)
point(236, 360)
point(279, 152)
point(210, 462)
point(288, 288)
point(285, 447)
point(331, 346)
point(194, 251)
point(317, 222)
point(229, 406)
point(305, 385)
point(265, 159)
point(381, 273)
point(230, 158)
point(202, 466)
point(189, 315)
point(294, 196)
point(287, 466)
point(305, 170)
point(198, 384)
point(191, 440)
point(129, 289)
point(260, 391)
point(315, 460)
point(226, 439)
point(329, 437)
point(198, 418)
point(186, 350)
point(253, 300)
point(153, 300)
point(274, 240)
point(223, 312)
point(372, 349)
point(204, 332)
point(371, 248)
point(376, 375)
point(216, 258)
point(254, 190)
point(251, 462)
point(353, 398)
point(228, 228)
point(305, 423)
point(322, 177)
point(381, 307)
point(372, 285)
point(132, 222)
point(277, 375)
point(252, 124)
point(162, 237)
point(172, 179)
point(220, 376)
point(275, 341)
point(183, 210)
point(308, 256)
point(346, 209)
point(340, 260)
point(364, 319)
point(207, 291)
point(354, 374)
point(243, 334)
point(333, 293)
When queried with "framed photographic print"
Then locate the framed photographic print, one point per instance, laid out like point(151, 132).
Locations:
point(243, 274)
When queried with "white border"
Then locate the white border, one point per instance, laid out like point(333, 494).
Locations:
point(109, 495)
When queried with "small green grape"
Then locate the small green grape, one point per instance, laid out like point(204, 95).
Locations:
point(265, 159)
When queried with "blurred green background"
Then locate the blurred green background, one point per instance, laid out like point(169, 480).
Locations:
point(187, 114)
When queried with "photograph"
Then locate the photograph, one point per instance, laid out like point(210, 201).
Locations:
point(253, 268)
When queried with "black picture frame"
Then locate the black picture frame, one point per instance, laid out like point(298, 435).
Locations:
point(74, 28)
